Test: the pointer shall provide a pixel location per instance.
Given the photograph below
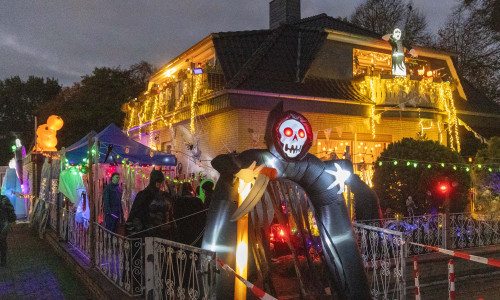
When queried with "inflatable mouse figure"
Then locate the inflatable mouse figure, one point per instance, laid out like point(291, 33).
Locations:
point(288, 138)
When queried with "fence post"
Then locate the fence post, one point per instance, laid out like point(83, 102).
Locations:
point(404, 254)
point(149, 268)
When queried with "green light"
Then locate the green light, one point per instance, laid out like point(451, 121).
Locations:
point(479, 166)
point(117, 156)
point(415, 165)
point(175, 180)
point(182, 181)
point(489, 169)
point(407, 163)
point(442, 165)
point(429, 166)
point(467, 169)
point(379, 163)
point(14, 147)
point(395, 162)
point(455, 168)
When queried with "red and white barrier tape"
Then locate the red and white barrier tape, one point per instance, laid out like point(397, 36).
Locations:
point(415, 274)
point(451, 280)
point(482, 260)
point(255, 290)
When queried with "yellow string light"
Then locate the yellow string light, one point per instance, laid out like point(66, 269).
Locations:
point(151, 125)
point(375, 87)
point(194, 100)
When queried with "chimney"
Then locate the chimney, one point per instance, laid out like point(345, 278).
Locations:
point(283, 12)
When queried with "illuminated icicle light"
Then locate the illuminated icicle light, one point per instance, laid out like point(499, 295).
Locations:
point(372, 121)
point(131, 120)
point(194, 100)
point(374, 87)
point(151, 124)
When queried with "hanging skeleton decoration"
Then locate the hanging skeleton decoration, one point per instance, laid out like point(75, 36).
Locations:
point(288, 138)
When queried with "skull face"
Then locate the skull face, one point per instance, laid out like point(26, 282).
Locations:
point(293, 136)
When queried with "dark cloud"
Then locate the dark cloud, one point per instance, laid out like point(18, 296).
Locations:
point(67, 39)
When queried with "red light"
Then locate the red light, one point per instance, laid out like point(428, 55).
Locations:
point(281, 232)
point(302, 134)
point(288, 131)
point(443, 188)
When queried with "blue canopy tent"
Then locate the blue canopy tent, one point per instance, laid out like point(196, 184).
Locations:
point(113, 136)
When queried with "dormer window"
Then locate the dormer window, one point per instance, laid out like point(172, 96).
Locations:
point(370, 63)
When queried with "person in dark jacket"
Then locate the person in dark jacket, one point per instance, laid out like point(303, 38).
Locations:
point(139, 217)
point(112, 203)
point(7, 216)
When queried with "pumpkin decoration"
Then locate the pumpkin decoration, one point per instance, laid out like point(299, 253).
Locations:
point(55, 122)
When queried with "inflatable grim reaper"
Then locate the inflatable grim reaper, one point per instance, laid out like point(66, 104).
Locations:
point(288, 138)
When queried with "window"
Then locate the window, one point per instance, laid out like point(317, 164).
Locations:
point(368, 63)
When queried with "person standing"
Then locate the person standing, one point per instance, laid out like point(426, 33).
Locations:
point(410, 206)
point(112, 204)
point(7, 216)
point(139, 218)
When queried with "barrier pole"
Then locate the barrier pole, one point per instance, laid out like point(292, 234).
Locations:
point(451, 280)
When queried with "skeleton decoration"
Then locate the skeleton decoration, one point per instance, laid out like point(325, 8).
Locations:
point(398, 53)
point(288, 138)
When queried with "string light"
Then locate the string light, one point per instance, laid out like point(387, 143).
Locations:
point(194, 100)
point(376, 89)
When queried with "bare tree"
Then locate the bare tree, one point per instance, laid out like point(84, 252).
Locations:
point(477, 46)
point(382, 16)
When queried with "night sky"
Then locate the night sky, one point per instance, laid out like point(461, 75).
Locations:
point(67, 39)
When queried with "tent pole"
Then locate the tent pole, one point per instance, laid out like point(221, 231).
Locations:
point(91, 205)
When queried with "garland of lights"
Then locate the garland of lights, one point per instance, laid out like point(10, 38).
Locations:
point(194, 100)
point(429, 165)
point(375, 87)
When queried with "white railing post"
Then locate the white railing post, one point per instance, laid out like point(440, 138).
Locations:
point(149, 268)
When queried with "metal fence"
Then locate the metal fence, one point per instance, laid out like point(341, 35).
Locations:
point(179, 271)
point(121, 260)
point(383, 252)
point(463, 230)
point(467, 231)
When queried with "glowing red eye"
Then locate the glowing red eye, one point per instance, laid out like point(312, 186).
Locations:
point(288, 131)
point(302, 134)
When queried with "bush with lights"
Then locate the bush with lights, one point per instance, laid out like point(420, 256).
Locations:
point(420, 169)
point(487, 179)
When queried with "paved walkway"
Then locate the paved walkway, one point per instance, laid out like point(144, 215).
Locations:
point(34, 271)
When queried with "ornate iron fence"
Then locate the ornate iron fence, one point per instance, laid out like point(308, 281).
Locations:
point(383, 252)
point(178, 271)
point(467, 231)
point(78, 233)
point(121, 260)
point(426, 229)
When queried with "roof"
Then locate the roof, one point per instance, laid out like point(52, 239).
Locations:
point(476, 101)
point(113, 135)
point(326, 22)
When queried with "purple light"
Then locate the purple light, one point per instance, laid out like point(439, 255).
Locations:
point(197, 71)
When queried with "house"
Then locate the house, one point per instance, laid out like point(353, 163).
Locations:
point(214, 97)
